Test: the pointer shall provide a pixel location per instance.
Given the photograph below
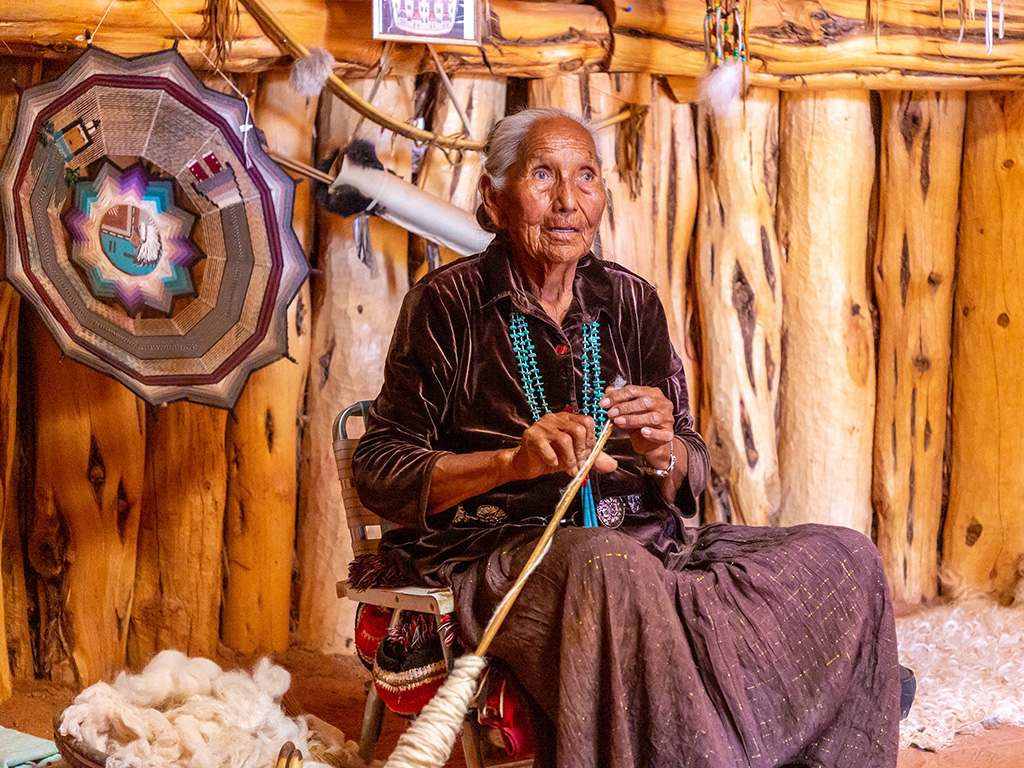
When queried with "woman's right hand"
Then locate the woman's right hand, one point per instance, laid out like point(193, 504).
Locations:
point(557, 442)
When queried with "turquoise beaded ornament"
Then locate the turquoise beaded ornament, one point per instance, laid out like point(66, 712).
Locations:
point(533, 387)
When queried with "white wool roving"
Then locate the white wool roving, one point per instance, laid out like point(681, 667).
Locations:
point(969, 667)
point(187, 713)
point(309, 74)
point(719, 89)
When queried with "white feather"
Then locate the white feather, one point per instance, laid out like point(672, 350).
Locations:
point(309, 74)
point(719, 89)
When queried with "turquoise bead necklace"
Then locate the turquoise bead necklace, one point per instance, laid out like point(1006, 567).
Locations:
point(533, 387)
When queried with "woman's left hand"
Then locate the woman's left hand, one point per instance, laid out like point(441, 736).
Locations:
point(644, 412)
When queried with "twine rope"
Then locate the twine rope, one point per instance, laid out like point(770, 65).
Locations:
point(247, 126)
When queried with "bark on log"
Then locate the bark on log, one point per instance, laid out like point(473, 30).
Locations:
point(740, 295)
point(826, 170)
point(9, 304)
point(455, 178)
point(178, 571)
point(263, 443)
point(91, 442)
point(919, 188)
point(984, 535)
point(526, 39)
point(356, 298)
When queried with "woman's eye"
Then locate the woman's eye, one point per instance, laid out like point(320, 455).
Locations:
point(540, 174)
point(588, 176)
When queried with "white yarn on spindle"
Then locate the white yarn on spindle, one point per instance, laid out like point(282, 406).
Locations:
point(309, 74)
point(719, 89)
point(428, 741)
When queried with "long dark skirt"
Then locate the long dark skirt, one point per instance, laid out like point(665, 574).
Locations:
point(768, 646)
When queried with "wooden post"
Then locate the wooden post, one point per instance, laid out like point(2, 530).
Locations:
point(356, 298)
point(919, 188)
point(91, 446)
point(263, 443)
point(675, 211)
point(737, 274)
point(455, 178)
point(826, 169)
point(984, 535)
point(178, 572)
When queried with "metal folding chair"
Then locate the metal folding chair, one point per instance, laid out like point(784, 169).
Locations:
point(365, 529)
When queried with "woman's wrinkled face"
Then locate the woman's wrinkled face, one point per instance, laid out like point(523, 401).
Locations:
point(554, 195)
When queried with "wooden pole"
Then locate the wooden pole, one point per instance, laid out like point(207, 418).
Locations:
point(356, 297)
point(263, 443)
point(915, 261)
point(178, 571)
point(826, 170)
point(737, 274)
point(91, 444)
point(984, 534)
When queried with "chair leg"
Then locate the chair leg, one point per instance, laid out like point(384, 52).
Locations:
point(472, 742)
point(373, 718)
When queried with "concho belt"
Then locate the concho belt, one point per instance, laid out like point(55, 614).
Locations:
point(612, 510)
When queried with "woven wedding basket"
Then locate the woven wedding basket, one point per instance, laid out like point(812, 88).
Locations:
point(75, 753)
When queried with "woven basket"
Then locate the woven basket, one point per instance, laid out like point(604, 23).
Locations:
point(74, 752)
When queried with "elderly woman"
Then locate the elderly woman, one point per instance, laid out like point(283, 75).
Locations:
point(640, 641)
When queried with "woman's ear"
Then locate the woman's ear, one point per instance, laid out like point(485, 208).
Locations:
point(491, 202)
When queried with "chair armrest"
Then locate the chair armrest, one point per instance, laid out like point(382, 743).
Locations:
point(435, 600)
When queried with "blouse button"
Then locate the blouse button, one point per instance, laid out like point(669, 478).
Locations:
point(568, 409)
point(562, 349)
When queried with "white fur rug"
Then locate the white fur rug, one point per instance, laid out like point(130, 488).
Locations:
point(969, 661)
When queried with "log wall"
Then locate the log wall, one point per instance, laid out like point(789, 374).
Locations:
point(129, 529)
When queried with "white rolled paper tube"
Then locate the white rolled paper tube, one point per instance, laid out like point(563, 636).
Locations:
point(411, 208)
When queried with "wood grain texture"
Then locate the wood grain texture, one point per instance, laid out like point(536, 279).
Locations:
point(90, 456)
point(356, 298)
point(826, 170)
point(984, 534)
point(915, 262)
point(737, 276)
point(524, 39)
point(178, 569)
point(262, 443)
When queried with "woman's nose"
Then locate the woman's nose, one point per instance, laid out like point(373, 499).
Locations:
point(565, 196)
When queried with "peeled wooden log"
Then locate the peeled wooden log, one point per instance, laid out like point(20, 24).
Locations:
point(91, 444)
point(984, 534)
point(675, 210)
point(356, 298)
point(454, 178)
point(263, 442)
point(826, 169)
point(178, 571)
point(737, 274)
point(919, 188)
point(526, 39)
point(826, 44)
point(16, 646)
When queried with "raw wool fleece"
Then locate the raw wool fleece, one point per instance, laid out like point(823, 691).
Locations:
point(969, 668)
point(187, 713)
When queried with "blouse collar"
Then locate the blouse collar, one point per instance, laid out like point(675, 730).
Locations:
point(592, 288)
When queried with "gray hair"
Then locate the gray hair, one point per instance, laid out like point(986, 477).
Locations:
point(507, 136)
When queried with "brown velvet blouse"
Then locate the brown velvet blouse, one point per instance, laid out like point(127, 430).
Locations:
point(451, 384)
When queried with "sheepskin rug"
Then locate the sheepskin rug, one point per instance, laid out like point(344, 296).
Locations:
point(182, 712)
point(968, 657)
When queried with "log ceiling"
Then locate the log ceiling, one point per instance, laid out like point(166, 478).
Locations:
point(793, 43)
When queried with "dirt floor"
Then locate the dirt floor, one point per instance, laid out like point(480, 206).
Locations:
point(332, 688)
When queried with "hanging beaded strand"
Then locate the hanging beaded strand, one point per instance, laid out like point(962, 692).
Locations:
point(533, 388)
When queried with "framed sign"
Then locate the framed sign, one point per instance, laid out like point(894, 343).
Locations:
point(453, 22)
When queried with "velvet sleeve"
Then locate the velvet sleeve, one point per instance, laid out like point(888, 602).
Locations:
point(395, 458)
point(662, 368)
